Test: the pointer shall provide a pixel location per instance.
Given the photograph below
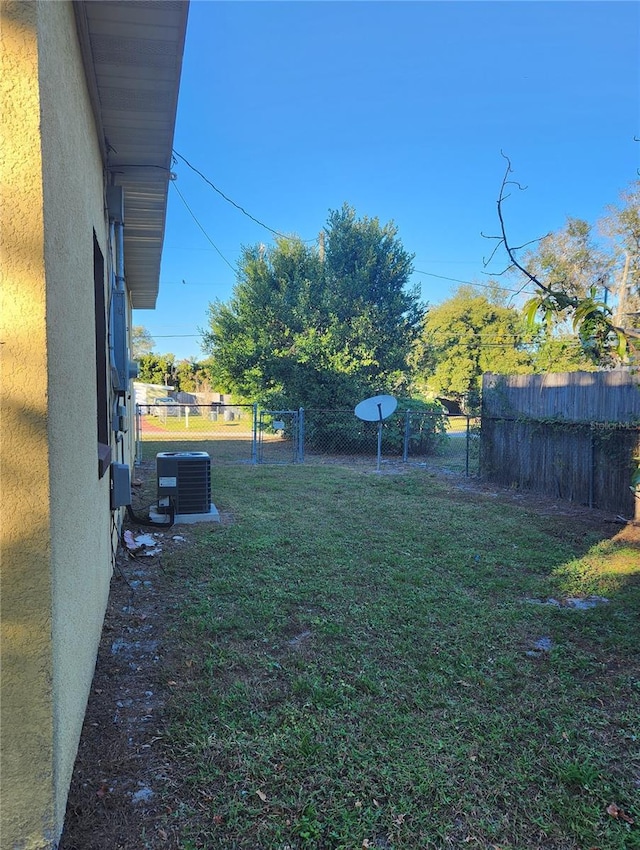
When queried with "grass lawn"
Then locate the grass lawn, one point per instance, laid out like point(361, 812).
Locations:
point(361, 663)
point(228, 446)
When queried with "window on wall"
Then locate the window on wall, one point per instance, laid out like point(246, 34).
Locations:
point(102, 361)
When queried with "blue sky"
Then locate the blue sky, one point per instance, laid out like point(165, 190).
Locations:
point(402, 110)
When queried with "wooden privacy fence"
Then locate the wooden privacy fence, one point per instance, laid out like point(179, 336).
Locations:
point(574, 435)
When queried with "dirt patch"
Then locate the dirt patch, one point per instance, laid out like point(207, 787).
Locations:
point(126, 790)
point(121, 775)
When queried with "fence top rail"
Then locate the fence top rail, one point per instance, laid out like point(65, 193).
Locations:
point(572, 396)
point(216, 404)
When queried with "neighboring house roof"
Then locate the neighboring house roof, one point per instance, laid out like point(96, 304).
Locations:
point(133, 56)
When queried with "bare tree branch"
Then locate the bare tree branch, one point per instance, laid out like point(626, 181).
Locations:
point(499, 274)
point(531, 242)
point(591, 318)
point(505, 241)
point(485, 263)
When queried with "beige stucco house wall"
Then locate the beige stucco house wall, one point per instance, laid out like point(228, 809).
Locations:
point(57, 529)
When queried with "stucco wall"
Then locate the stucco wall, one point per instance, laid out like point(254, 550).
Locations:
point(55, 527)
point(25, 613)
point(80, 515)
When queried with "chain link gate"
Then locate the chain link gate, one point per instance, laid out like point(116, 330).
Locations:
point(442, 441)
point(279, 438)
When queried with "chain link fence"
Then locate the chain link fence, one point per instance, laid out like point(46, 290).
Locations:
point(227, 432)
point(278, 437)
point(450, 443)
point(245, 434)
point(434, 440)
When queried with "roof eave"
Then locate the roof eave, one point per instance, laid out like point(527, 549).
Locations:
point(133, 60)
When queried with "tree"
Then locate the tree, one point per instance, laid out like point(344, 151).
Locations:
point(374, 315)
point(591, 317)
point(192, 376)
point(317, 328)
point(465, 336)
point(621, 226)
point(558, 352)
point(141, 342)
point(255, 339)
point(569, 260)
point(157, 369)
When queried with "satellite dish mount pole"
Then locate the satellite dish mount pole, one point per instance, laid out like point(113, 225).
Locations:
point(376, 409)
point(379, 436)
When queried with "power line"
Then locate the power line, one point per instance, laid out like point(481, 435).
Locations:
point(231, 201)
point(468, 282)
point(189, 283)
point(193, 216)
point(226, 197)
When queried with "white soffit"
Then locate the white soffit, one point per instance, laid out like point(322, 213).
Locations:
point(133, 50)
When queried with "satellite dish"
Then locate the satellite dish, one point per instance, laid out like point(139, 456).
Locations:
point(376, 409)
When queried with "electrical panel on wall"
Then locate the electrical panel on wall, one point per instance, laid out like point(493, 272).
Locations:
point(120, 485)
point(120, 418)
point(119, 339)
point(122, 369)
point(115, 203)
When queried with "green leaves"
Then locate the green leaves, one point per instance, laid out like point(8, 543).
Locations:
point(569, 267)
point(156, 368)
point(466, 336)
point(590, 320)
point(530, 310)
point(317, 330)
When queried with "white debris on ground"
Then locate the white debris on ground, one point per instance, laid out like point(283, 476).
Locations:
point(574, 602)
point(144, 545)
point(540, 646)
point(143, 795)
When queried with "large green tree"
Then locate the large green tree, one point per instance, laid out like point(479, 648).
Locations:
point(192, 376)
point(593, 285)
point(317, 327)
point(157, 369)
point(465, 336)
point(571, 261)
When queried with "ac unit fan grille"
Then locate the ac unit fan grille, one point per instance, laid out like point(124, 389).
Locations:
point(184, 478)
point(194, 488)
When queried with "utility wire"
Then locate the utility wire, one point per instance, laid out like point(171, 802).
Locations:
point(228, 199)
point(467, 282)
point(209, 239)
point(231, 201)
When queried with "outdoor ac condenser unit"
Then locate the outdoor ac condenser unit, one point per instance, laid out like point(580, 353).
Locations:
point(185, 479)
